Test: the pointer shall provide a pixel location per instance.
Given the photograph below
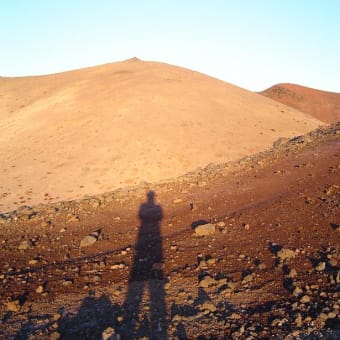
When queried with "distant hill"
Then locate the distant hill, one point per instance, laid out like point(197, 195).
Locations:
point(87, 131)
point(322, 105)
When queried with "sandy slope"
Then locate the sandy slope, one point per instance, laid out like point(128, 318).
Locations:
point(92, 130)
point(322, 105)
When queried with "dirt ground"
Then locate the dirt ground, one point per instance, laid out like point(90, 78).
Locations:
point(244, 250)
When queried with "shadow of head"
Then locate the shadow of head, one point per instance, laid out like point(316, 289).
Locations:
point(151, 196)
point(150, 212)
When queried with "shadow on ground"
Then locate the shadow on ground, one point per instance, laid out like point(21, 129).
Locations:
point(143, 312)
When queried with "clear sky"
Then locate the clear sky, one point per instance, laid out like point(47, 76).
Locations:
point(250, 43)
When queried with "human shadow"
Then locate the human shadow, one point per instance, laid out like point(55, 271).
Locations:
point(141, 315)
point(147, 319)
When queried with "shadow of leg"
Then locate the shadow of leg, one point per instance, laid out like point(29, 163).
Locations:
point(158, 309)
point(131, 308)
point(180, 332)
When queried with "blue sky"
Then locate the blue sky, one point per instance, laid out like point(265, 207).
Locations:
point(250, 43)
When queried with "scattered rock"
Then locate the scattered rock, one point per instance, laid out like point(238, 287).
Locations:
point(97, 278)
point(45, 224)
point(305, 299)
point(292, 273)
point(32, 262)
point(118, 266)
point(235, 316)
point(297, 291)
point(177, 201)
point(298, 320)
point(13, 306)
point(25, 245)
point(248, 278)
point(280, 142)
point(246, 226)
point(320, 266)
point(208, 306)
point(309, 200)
point(298, 140)
point(207, 281)
point(331, 189)
point(333, 262)
point(67, 282)
point(224, 281)
point(55, 336)
point(40, 289)
point(211, 261)
point(286, 254)
point(90, 239)
point(95, 203)
point(110, 334)
point(25, 212)
point(56, 317)
point(87, 241)
point(279, 322)
point(176, 318)
point(262, 266)
point(205, 229)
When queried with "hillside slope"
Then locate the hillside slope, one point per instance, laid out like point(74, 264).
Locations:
point(66, 135)
point(322, 105)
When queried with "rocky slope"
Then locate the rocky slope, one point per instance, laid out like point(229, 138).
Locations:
point(248, 249)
